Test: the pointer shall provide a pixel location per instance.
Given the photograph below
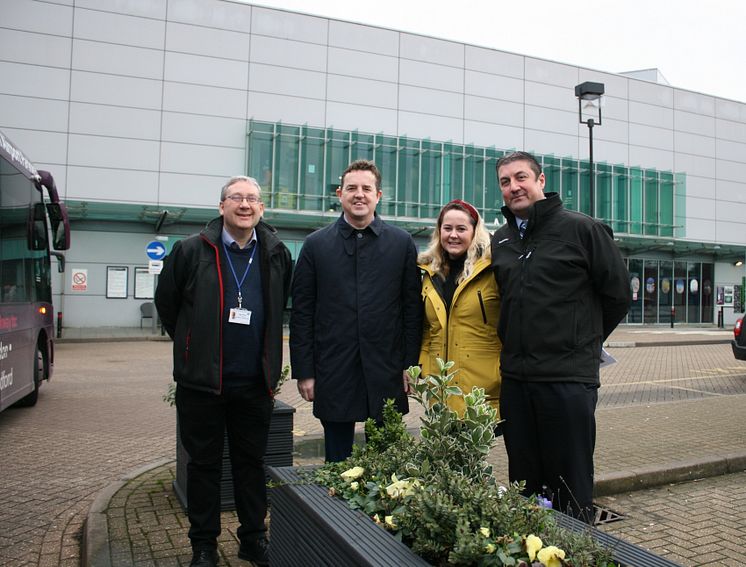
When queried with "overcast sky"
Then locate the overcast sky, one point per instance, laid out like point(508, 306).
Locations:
point(696, 45)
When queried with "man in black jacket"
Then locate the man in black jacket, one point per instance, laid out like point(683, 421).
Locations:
point(564, 288)
point(356, 323)
point(221, 297)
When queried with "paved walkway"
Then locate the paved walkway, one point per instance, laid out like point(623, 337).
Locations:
point(644, 446)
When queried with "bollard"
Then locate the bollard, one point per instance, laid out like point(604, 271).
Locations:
point(673, 314)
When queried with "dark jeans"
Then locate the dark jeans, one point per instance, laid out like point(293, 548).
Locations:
point(550, 435)
point(245, 413)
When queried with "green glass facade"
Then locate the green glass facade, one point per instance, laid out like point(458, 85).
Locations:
point(300, 168)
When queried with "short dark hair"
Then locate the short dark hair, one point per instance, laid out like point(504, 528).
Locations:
point(363, 165)
point(519, 156)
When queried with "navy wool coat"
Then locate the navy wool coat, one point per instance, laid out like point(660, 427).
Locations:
point(356, 322)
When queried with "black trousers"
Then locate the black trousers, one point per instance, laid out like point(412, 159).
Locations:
point(339, 437)
point(550, 435)
point(204, 418)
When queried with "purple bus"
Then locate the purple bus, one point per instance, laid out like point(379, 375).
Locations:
point(28, 225)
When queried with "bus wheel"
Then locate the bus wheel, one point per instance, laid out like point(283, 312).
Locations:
point(30, 399)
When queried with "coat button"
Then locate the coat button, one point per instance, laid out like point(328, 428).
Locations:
point(359, 234)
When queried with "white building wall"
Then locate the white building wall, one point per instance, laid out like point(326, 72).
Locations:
point(147, 101)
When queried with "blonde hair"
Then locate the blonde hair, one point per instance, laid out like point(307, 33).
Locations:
point(436, 259)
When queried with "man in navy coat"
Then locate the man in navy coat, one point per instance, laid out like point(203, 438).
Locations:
point(356, 323)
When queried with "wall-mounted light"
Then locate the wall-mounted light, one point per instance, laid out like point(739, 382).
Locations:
point(738, 263)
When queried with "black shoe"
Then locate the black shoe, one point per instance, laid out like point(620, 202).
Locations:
point(256, 550)
point(204, 557)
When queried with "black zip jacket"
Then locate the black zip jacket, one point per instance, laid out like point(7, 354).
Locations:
point(564, 288)
point(189, 299)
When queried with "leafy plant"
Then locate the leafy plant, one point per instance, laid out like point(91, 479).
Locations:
point(437, 493)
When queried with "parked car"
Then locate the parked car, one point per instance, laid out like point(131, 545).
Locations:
point(739, 340)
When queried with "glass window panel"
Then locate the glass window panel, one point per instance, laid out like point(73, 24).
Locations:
point(584, 195)
point(680, 205)
point(651, 202)
point(650, 295)
point(621, 197)
point(386, 154)
point(313, 195)
point(493, 196)
point(431, 160)
point(363, 146)
point(694, 289)
point(570, 184)
point(552, 173)
point(603, 191)
point(708, 271)
point(337, 160)
point(634, 315)
point(665, 291)
point(453, 172)
point(408, 179)
point(287, 158)
point(635, 201)
point(474, 178)
point(260, 160)
point(680, 291)
point(666, 204)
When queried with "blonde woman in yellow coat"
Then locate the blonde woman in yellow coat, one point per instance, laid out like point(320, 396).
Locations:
point(461, 303)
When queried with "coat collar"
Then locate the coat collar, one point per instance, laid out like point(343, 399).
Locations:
point(347, 230)
point(540, 211)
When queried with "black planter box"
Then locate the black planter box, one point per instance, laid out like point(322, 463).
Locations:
point(309, 527)
point(279, 454)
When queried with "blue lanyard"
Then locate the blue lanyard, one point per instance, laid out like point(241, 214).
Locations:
point(233, 270)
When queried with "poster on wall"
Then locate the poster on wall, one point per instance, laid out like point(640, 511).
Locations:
point(116, 282)
point(78, 279)
point(144, 284)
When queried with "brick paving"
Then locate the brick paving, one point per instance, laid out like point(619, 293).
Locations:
point(693, 523)
point(677, 408)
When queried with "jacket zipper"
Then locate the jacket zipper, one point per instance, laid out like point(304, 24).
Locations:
point(481, 306)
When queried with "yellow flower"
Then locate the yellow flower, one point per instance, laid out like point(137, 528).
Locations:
point(489, 548)
point(352, 474)
point(389, 521)
point(533, 544)
point(354, 485)
point(377, 519)
point(551, 556)
point(485, 532)
point(401, 488)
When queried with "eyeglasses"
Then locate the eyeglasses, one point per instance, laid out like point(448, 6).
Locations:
point(238, 199)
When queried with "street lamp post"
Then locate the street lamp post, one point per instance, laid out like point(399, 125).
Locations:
point(590, 93)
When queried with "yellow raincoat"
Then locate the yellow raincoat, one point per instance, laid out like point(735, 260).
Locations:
point(467, 335)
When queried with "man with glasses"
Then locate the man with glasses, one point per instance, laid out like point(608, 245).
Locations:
point(221, 297)
point(356, 322)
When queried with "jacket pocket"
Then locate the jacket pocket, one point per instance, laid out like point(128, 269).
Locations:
point(481, 306)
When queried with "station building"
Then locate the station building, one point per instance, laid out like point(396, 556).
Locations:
point(142, 109)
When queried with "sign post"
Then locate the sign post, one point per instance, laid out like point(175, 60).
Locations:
point(155, 251)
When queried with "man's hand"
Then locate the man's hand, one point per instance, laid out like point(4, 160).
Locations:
point(305, 388)
point(407, 385)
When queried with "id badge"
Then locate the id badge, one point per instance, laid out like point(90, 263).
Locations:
point(239, 316)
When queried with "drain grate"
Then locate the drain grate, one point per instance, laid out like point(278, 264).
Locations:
point(603, 515)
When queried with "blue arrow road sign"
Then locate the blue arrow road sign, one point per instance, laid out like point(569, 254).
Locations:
point(155, 250)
